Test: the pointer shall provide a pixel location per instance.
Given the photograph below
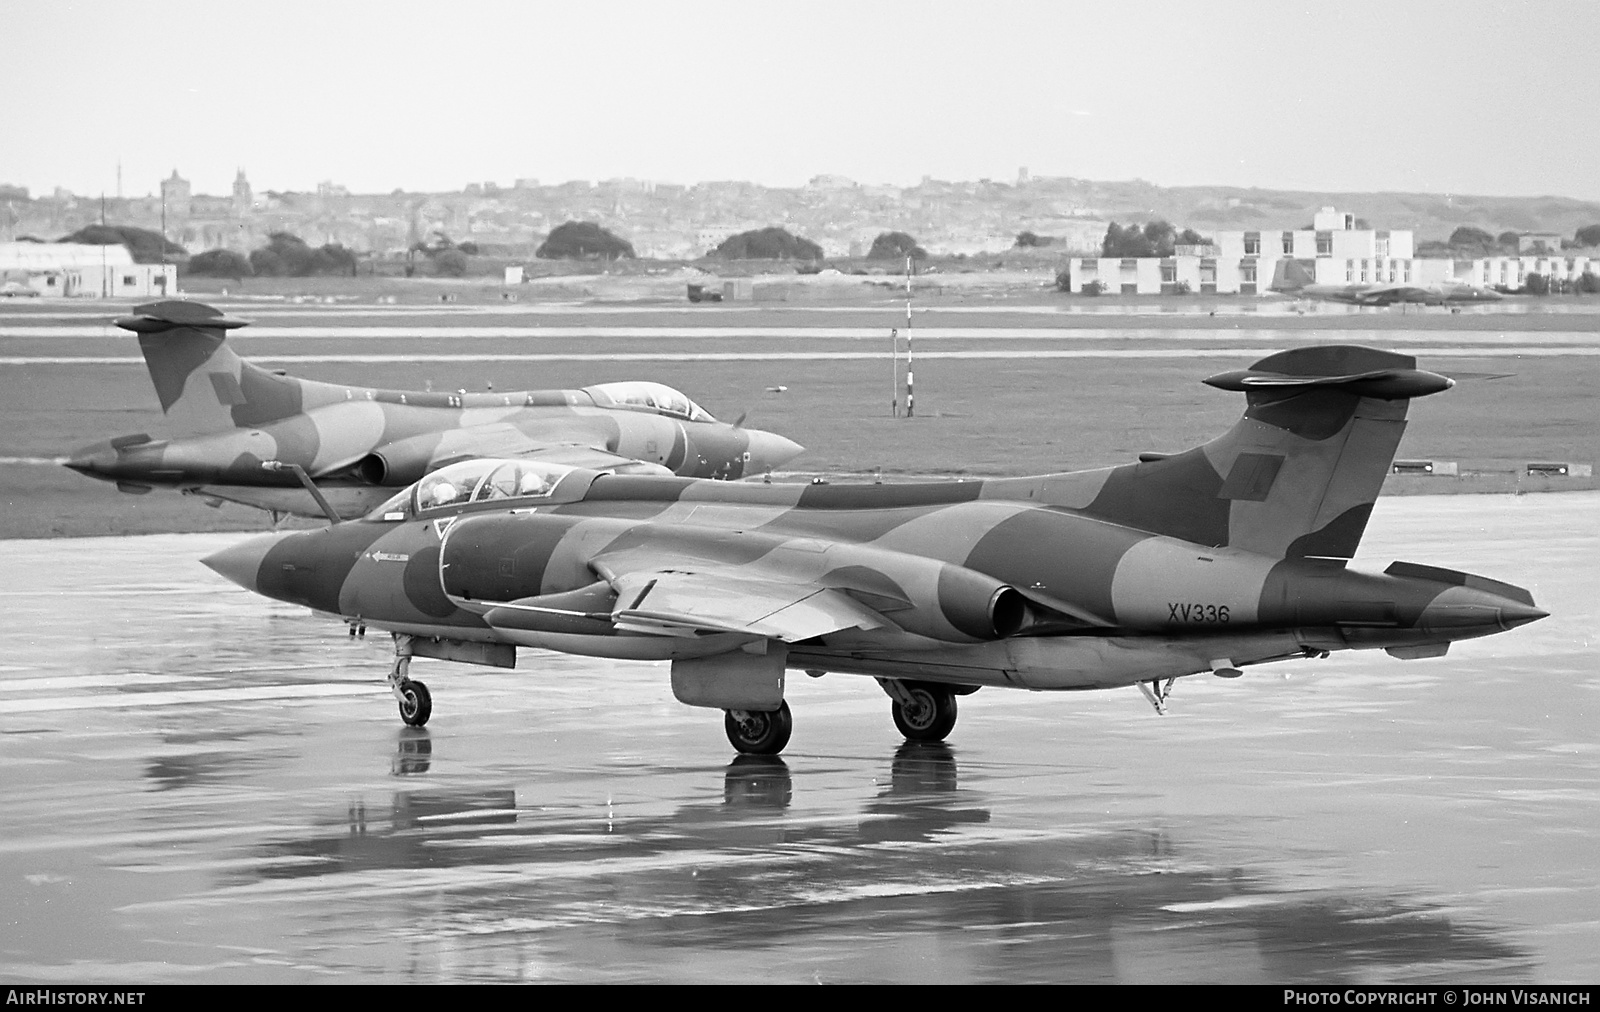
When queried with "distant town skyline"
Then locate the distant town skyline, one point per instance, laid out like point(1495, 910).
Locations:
point(1468, 97)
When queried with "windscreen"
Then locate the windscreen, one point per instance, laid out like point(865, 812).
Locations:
point(487, 480)
point(649, 396)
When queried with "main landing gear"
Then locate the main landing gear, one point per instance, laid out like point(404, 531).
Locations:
point(759, 732)
point(416, 704)
point(923, 711)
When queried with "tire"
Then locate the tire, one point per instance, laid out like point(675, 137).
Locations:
point(932, 719)
point(417, 705)
point(759, 732)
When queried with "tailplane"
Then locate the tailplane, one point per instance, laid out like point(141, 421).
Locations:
point(203, 386)
point(1297, 476)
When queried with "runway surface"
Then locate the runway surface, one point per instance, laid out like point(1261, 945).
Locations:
point(202, 785)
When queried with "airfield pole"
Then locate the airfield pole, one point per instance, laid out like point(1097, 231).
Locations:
point(894, 373)
point(911, 397)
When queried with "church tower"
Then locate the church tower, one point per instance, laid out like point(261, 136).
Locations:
point(176, 196)
point(243, 198)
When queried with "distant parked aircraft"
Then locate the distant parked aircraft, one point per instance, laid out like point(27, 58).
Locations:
point(1291, 278)
point(258, 437)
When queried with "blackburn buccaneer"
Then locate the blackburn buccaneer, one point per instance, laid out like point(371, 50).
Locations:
point(1441, 294)
point(1295, 278)
point(1220, 557)
point(258, 437)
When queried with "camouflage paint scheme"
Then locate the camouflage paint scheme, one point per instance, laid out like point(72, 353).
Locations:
point(1229, 554)
point(359, 444)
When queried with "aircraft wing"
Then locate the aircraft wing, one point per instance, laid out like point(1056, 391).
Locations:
point(718, 600)
point(1384, 295)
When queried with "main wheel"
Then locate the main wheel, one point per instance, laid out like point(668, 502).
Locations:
point(930, 717)
point(759, 732)
point(416, 704)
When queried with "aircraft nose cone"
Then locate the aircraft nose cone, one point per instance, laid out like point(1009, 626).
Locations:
point(96, 461)
point(1463, 612)
point(241, 563)
point(1515, 613)
point(769, 450)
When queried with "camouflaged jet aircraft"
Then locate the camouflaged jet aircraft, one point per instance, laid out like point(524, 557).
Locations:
point(1223, 556)
point(249, 435)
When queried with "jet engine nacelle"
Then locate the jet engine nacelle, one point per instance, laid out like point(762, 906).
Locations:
point(979, 605)
point(399, 463)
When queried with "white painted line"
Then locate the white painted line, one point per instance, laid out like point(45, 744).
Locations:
point(126, 700)
point(1021, 354)
point(65, 682)
point(923, 333)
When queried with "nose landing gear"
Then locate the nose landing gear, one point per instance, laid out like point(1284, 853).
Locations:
point(416, 703)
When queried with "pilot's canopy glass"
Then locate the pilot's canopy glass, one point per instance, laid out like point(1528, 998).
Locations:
point(485, 481)
point(651, 397)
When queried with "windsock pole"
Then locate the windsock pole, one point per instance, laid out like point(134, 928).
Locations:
point(911, 397)
point(894, 373)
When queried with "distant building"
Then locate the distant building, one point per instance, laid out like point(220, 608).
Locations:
point(76, 270)
point(176, 196)
point(1334, 251)
point(243, 197)
point(1539, 242)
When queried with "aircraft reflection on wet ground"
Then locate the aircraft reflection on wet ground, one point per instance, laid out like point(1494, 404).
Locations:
point(198, 789)
point(915, 877)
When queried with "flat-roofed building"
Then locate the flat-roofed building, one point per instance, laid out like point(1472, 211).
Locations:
point(78, 270)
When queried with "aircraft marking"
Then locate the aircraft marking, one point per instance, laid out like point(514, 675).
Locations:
point(1197, 613)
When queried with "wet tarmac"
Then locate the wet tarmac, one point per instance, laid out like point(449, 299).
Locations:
point(202, 785)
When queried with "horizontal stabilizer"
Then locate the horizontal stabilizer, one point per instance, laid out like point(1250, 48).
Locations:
point(1417, 571)
point(155, 317)
point(1363, 372)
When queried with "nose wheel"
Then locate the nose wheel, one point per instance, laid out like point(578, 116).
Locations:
point(416, 703)
point(759, 732)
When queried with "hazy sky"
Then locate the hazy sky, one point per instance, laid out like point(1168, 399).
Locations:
point(1466, 96)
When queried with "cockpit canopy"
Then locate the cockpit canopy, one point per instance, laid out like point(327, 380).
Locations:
point(476, 481)
point(648, 396)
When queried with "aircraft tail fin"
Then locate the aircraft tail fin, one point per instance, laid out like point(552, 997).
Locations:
point(1297, 476)
point(1292, 275)
point(202, 385)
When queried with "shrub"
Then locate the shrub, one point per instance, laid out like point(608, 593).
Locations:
point(770, 243)
point(583, 240)
point(894, 246)
point(450, 263)
point(219, 263)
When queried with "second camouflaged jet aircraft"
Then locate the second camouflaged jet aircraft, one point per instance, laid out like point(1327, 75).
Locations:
point(1226, 555)
point(253, 436)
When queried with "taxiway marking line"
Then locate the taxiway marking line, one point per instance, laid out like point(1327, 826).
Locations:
point(58, 683)
point(121, 701)
point(1022, 354)
point(876, 333)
